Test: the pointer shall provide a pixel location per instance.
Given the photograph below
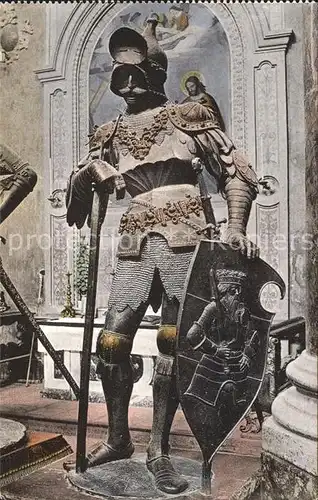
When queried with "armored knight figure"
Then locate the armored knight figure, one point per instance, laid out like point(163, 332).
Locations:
point(223, 335)
point(147, 152)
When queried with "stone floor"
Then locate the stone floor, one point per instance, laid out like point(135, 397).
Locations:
point(238, 459)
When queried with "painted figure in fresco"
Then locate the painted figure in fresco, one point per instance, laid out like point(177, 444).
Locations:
point(197, 93)
point(150, 148)
point(178, 17)
point(223, 334)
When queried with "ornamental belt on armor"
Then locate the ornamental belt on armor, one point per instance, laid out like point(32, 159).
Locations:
point(173, 211)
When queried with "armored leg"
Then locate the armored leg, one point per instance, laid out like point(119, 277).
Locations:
point(113, 348)
point(165, 401)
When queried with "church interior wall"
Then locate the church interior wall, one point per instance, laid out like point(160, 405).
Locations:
point(296, 154)
point(22, 129)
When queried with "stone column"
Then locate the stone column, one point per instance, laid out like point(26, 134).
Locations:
point(289, 458)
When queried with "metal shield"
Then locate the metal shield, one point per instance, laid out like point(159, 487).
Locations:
point(216, 393)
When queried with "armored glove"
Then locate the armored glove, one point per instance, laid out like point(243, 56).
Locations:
point(17, 180)
point(240, 190)
point(79, 194)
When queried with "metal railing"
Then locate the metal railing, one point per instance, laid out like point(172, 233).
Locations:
point(286, 342)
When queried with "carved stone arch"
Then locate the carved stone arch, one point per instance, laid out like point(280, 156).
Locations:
point(238, 40)
point(84, 26)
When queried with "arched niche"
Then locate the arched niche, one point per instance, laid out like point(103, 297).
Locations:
point(195, 43)
point(256, 118)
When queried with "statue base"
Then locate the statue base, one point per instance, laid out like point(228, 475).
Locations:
point(12, 435)
point(130, 479)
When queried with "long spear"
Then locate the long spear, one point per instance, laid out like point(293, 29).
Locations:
point(35, 328)
point(99, 206)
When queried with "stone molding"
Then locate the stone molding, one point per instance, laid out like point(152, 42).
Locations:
point(290, 436)
point(14, 35)
point(303, 373)
point(291, 432)
point(293, 448)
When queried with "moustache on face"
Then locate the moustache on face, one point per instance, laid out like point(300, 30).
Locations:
point(135, 91)
point(231, 302)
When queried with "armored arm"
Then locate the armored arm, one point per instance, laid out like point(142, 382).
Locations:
point(79, 191)
point(240, 189)
point(197, 335)
point(17, 180)
point(93, 169)
point(236, 179)
point(237, 182)
point(234, 175)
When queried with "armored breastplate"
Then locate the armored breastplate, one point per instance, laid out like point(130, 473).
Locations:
point(153, 151)
point(149, 176)
point(136, 134)
point(149, 137)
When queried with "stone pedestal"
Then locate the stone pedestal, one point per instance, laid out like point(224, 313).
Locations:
point(130, 479)
point(289, 458)
point(12, 435)
point(290, 442)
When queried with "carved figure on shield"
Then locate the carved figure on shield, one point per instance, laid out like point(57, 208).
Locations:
point(147, 152)
point(222, 343)
point(224, 335)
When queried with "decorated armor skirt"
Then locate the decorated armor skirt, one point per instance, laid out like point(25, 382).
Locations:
point(143, 279)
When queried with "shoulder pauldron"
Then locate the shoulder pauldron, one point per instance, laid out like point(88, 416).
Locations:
point(191, 117)
point(102, 135)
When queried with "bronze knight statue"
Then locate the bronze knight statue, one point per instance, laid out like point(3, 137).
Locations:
point(147, 152)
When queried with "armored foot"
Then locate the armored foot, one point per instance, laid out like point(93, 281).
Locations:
point(166, 477)
point(102, 454)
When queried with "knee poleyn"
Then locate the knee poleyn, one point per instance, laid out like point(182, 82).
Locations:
point(166, 339)
point(113, 347)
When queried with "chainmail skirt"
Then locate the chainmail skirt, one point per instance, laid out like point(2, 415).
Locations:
point(143, 279)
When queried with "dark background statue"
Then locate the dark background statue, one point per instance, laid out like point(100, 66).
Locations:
point(147, 152)
point(17, 180)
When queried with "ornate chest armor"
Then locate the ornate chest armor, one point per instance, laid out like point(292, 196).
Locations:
point(153, 151)
point(147, 138)
point(136, 134)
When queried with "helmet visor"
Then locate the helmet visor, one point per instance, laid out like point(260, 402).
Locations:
point(128, 77)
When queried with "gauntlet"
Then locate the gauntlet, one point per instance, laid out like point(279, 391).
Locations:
point(79, 190)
